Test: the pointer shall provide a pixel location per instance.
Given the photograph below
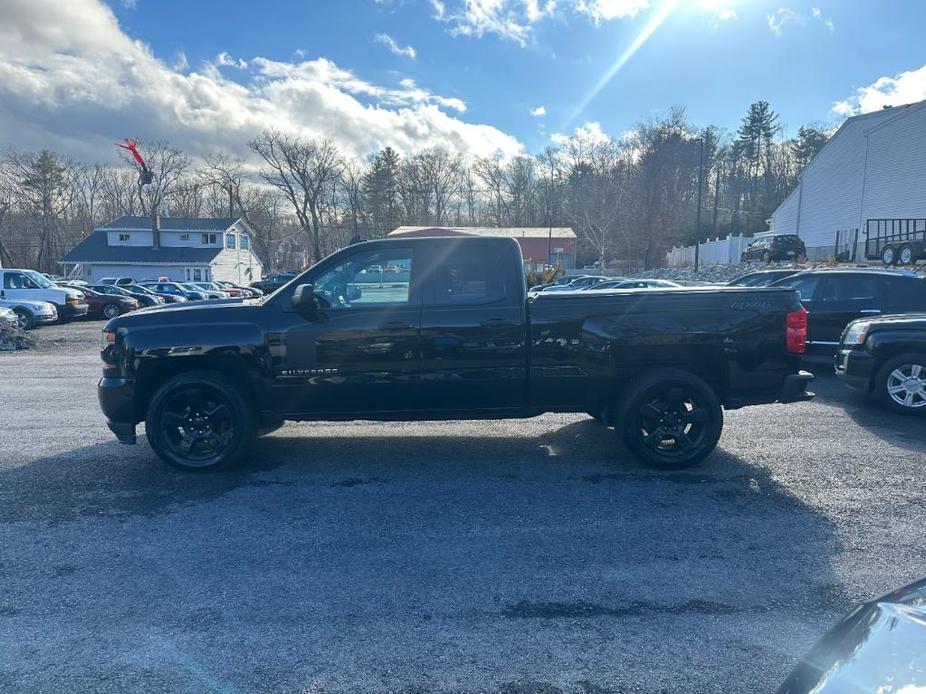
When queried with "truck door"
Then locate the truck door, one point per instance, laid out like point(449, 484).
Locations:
point(473, 332)
point(359, 352)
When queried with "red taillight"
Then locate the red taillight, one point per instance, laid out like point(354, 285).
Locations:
point(796, 331)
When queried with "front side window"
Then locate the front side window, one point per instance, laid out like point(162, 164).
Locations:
point(368, 279)
point(245, 243)
point(14, 280)
point(807, 286)
point(208, 239)
point(229, 241)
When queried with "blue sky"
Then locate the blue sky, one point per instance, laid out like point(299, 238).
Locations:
point(457, 73)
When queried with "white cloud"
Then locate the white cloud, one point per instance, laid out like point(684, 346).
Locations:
point(539, 111)
point(394, 47)
point(606, 10)
point(180, 62)
point(440, 10)
point(727, 15)
point(515, 19)
point(590, 133)
point(72, 80)
point(782, 17)
point(903, 88)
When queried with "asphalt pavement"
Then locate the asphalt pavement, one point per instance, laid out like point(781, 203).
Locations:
point(531, 556)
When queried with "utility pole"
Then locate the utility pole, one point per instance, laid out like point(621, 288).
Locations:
point(698, 218)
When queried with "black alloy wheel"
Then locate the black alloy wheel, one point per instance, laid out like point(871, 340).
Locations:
point(199, 421)
point(671, 420)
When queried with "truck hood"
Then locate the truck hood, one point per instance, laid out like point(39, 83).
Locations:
point(220, 310)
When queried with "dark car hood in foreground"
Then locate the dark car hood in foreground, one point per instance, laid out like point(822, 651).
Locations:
point(880, 647)
point(902, 321)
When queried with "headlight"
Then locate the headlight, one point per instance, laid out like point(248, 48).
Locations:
point(856, 334)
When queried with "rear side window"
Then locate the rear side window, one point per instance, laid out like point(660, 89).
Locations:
point(469, 275)
point(850, 288)
point(807, 286)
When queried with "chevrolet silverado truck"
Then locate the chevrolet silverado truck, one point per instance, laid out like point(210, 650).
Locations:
point(440, 329)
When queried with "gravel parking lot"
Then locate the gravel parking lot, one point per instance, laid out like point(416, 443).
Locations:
point(513, 556)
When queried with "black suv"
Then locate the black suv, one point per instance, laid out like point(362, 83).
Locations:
point(834, 298)
point(775, 247)
point(886, 356)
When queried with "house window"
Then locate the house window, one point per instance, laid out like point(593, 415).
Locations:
point(197, 275)
point(207, 275)
point(184, 237)
point(229, 241)
point(124, 237)
point(208, 239)
point(245, 243)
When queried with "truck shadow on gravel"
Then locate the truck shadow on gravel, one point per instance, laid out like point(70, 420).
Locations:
point(539, 538)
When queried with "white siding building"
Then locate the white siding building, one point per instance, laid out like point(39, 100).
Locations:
point(183, 249)
point(873, 167)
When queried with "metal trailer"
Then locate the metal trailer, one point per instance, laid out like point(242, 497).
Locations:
point(895, 241)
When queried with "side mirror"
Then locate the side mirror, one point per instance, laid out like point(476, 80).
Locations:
point(304, 298)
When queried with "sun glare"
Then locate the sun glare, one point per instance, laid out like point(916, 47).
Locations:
point(661, 14)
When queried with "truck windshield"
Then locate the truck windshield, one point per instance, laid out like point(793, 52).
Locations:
point(39, 279)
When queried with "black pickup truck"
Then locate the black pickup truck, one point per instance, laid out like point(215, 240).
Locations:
point(442, 328)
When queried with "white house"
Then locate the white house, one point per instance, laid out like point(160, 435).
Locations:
point(182, 248)
point(874, 167)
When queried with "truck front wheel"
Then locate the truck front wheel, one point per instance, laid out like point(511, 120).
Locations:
point(671, 419)
point(199, 420)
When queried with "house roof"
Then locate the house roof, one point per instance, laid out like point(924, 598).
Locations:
point(509, 232)
point(129, 223)
point(96, 249)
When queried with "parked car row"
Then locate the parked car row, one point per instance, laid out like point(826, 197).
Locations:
point(33, 298)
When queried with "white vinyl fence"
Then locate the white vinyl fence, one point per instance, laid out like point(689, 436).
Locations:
point(716, 252)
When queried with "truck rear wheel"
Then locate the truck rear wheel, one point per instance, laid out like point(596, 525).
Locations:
point(670, 419)
point(199, 420)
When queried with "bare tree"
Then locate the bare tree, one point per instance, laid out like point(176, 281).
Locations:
point(300, 170)
point(168, 164)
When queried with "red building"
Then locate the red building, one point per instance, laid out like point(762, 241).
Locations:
point(538, 244)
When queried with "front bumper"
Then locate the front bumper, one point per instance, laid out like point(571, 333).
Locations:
point(68, 311)
point(117, 400)
point(855, 368)
point(43, 319)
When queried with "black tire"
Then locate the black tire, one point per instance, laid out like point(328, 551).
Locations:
point(893, 383)
point(905, 254)
point(111, 311)
point(26, 321)
point(888, 255)
point(200, 420)
point(657, 408)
